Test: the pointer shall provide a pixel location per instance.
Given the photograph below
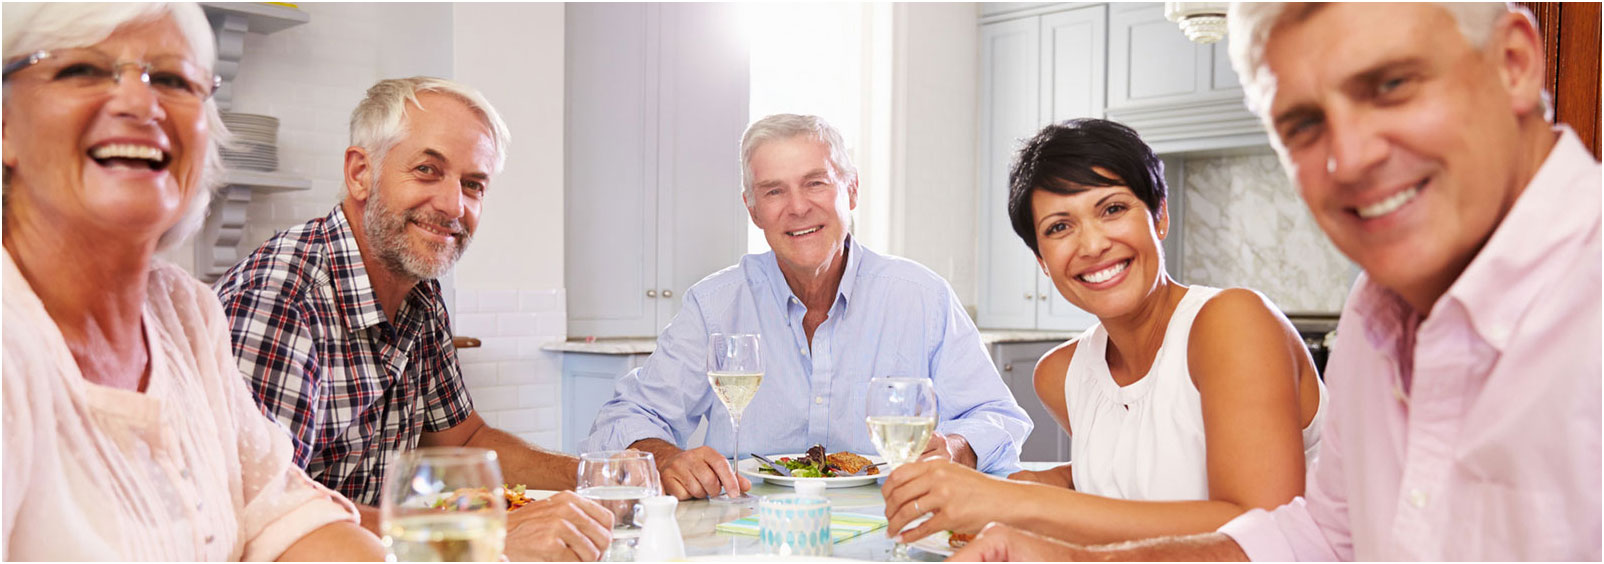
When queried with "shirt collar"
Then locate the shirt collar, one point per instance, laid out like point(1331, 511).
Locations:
point(1550, 219)
point(843, 293)
point(357, 302)
point(1559, 206)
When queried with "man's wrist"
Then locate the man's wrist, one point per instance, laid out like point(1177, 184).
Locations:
point(961, 452)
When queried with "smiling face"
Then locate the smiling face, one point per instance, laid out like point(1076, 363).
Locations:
point(117, 161)
point(802, 203)
point(1100, 246)
point(1401, 136)
point(431, 185)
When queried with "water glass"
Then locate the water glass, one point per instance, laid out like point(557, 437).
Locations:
point(619, 480)
point(444, 504)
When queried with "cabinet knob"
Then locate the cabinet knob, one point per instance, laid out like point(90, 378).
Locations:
point(1030, 295)
point(1043, 297)
point(667, 293)
point(1008, 367)
point(651, 293)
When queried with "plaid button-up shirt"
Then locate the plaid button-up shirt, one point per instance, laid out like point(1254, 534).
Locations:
point(352, 387)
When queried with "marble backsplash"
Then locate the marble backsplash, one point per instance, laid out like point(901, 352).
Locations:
point(1246, 226)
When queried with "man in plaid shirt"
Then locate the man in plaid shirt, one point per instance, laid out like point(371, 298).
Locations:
point(341, 331)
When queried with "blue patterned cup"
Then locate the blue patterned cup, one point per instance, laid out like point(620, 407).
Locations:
point(795, 525)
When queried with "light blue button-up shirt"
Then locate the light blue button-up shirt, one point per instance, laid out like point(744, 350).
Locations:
point(891, 317)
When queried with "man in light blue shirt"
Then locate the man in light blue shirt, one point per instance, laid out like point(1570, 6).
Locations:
point(831, 314)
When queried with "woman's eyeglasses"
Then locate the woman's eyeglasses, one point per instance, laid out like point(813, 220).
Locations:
point(172, 77)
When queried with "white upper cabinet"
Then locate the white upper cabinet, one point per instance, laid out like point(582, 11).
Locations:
point(1181, 96)
point(1035, 70)
point(656, 104)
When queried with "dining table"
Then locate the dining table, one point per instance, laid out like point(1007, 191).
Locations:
point(699, 518)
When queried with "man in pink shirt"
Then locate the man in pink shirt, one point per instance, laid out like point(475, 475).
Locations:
point(1465, 405)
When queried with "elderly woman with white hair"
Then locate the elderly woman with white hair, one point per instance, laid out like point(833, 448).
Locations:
point(129, 434)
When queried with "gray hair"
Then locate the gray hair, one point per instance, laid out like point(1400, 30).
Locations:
point(380, 120)
point(779, 127)
point(1251, 23)
point(33, 27)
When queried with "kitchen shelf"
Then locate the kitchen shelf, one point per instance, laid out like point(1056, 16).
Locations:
point(260, 17)
point(266, 182)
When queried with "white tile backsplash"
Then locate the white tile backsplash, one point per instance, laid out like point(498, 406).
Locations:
point(1246, 226)
point(514, 378)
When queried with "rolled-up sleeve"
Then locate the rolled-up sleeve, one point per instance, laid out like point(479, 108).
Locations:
point(1310, 528)
point(663, 399)
point(971, 396)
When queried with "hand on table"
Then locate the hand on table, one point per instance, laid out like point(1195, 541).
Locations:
point(561, 528)
point(949, 447)
point(1002, 543)
point(699, 472)
point(958, 498)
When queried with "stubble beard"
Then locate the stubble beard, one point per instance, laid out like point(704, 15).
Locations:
point(387, 235)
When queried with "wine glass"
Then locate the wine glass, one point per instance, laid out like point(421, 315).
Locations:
point(901, 417)
point(735, 370)
point(619, 480)
point(444, 504)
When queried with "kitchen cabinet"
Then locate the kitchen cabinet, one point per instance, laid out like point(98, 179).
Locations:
point(1035, 70)
point(588, 383)
point(1179, 95)
point(1016, 362)
point(656, 105)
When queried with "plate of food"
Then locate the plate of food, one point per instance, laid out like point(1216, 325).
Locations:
point(943, 543)
point(468, 499)
point(838, 470)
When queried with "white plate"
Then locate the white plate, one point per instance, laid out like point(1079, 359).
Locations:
point(750, 465)
point(935, 544)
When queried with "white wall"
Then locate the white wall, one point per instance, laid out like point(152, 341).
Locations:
point(935, 60)
point(510, 284)
point(508, 287)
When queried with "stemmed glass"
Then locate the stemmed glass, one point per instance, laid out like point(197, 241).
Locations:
point(735, 370)
point(619, 480)
point(901, 417)
point(444, 504)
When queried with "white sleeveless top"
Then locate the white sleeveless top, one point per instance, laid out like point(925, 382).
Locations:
point(1145, 441)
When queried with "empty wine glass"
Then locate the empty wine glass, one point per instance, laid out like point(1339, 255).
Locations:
point(901, 417)
point(735, 370)
point(444, 504)
point(619, 480)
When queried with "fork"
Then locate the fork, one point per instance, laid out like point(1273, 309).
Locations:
point(772, 466)
point(866, 468)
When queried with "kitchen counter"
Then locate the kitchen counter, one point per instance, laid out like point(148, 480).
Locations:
point(619, 346)
point(993, 336)
point(643, 345)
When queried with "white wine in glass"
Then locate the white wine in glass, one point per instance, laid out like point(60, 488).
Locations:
point(444, 504)
point(901, 414)
point(735, 370)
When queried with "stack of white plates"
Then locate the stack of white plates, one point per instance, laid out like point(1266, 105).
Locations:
point(255, 139)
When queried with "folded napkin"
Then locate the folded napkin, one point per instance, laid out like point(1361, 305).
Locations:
point(843, 526)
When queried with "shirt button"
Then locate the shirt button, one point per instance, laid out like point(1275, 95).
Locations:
point(209, 539)
point(1417, 498)
point(184, 473)
point(818, 400)
point(803, 350)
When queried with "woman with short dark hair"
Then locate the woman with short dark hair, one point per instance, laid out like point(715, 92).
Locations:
point(1186, 405)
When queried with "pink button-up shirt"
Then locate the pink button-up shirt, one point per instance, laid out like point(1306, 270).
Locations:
point(1472, 433)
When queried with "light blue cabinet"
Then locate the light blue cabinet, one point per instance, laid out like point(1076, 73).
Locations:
point(588, 381)
point(1035, 70)
point(1016, 362)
